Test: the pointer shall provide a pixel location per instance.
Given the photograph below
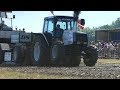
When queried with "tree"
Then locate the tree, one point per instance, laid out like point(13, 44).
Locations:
point(90, 32)
point(105, 27)
point(115, 24)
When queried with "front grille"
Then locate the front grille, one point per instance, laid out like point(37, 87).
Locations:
point(73, 50)
point(80, 38)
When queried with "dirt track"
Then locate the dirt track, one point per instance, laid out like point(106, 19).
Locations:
point(99, 71)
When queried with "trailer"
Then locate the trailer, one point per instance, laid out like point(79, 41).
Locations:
point(108, 35)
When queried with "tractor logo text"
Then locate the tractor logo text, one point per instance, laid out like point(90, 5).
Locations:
point(25, 36)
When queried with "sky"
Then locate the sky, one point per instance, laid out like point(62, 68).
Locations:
point(33, 21)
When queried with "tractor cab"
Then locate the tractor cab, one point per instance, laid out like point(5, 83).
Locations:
point(65, 22)
point(58, 27)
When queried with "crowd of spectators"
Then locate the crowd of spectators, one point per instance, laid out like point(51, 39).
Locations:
point(107, 50)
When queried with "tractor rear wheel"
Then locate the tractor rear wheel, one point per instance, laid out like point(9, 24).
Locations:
point(39, 51)
point(57, 55)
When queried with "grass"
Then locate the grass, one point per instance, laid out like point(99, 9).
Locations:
point(105, 61)
point(4, 74)
point(21, 75)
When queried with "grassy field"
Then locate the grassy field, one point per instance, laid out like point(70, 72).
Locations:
point(4, 74)
point(21, 75)
point(105, 61)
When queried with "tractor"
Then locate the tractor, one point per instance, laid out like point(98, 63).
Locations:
point(59, 44)
point(69, 50)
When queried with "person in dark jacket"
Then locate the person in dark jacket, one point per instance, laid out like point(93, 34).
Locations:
point(58, 32)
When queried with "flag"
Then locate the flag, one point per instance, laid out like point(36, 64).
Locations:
point(79, 25)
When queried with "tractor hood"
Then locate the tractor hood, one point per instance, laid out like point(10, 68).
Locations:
point(73, 37)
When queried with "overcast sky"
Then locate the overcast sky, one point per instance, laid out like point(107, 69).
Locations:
point(32, 21)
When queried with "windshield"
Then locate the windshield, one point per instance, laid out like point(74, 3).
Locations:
point(67, 24)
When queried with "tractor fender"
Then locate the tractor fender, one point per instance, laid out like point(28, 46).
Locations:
point(41, 36)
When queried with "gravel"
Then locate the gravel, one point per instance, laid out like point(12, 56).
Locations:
point(99, 71)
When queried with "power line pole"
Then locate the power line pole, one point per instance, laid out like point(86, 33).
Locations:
point(11, 21)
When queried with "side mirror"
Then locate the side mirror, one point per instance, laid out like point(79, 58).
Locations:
point(13, 16)
point(82, 22)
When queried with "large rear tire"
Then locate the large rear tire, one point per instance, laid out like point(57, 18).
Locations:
point(39, 51)
point(57, 54)
point(60, 59)
point(91, 56)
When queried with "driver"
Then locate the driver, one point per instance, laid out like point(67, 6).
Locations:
point(58, 32)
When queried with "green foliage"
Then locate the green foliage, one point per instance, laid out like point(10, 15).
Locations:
point(115, 24)
point(105, 27)
point(90, 32)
